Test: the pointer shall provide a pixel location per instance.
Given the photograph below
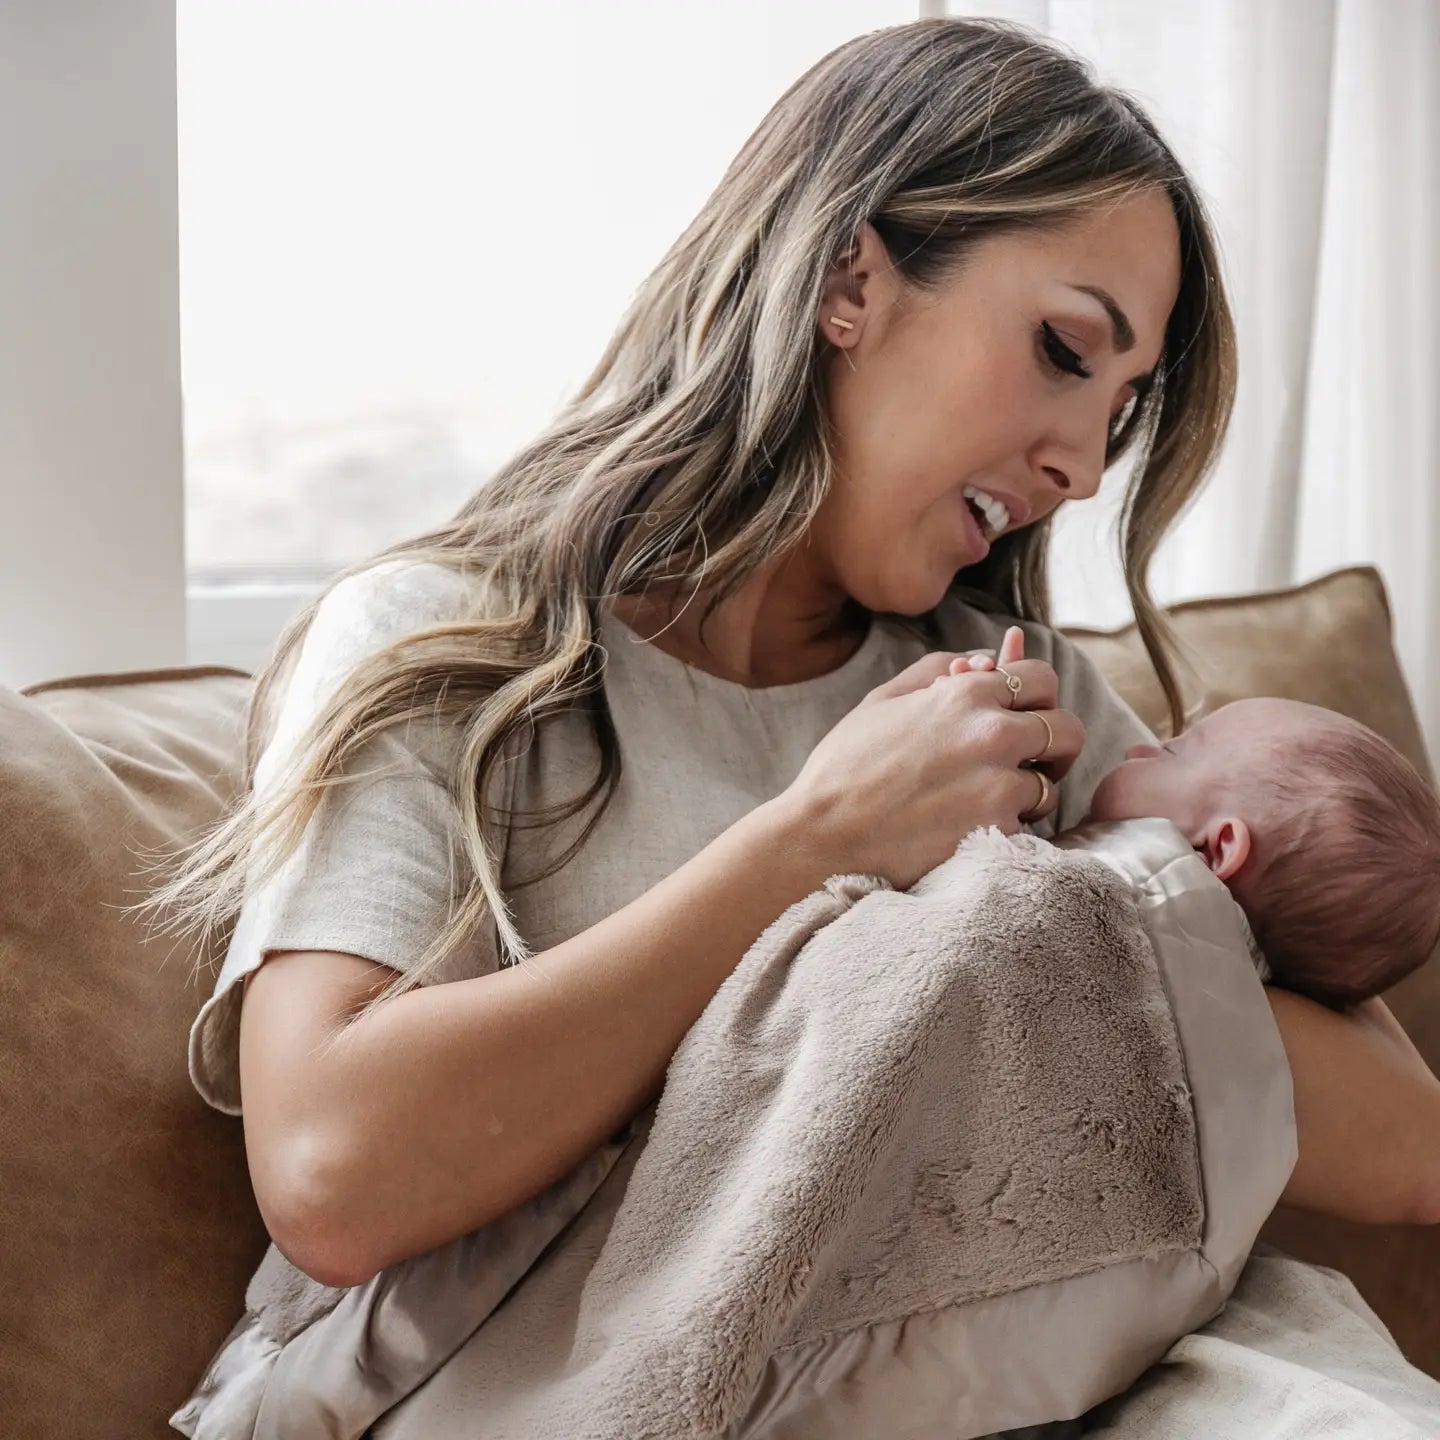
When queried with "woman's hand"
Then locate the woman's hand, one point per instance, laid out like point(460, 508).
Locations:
point(929, 756)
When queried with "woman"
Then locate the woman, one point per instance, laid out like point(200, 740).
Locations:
point(944, 285)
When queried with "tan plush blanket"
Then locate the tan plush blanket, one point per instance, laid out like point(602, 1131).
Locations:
point(931, 1162)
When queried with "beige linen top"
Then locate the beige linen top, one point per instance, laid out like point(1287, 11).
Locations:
point(379, 865)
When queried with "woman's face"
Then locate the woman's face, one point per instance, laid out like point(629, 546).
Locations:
point(971, 387)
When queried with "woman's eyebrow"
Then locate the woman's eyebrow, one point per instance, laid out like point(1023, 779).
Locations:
point(1123, 331)
point(1119, 321)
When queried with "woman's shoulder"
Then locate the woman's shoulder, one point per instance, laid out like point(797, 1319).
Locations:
point(360, 616)
point(400, 594)
point(366, 611)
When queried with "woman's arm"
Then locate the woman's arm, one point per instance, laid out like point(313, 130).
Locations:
point(1367, 1113)
point(453, 1103)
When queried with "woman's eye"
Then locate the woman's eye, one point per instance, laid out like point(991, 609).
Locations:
point(1060, 355)
point(1064, 361)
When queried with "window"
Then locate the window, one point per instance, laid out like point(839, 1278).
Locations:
point(406, 234)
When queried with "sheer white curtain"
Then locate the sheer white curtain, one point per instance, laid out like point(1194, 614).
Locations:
point(1313, 129)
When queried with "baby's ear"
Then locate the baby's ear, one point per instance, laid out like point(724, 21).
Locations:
point(1226, 846)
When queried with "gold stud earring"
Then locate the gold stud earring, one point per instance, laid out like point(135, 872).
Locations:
point(844, 324)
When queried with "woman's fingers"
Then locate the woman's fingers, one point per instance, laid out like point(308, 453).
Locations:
point(1038, 685)
point(1012, 646)
point(1048, 737)
point(1031, 806)
point(935, 663)
point(925, 671)
point(1054, 750)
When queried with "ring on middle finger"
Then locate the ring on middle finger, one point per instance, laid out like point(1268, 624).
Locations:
point(1049, 737)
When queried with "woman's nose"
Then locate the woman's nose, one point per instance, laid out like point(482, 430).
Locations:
point(1075, 465)
point(1078, 481)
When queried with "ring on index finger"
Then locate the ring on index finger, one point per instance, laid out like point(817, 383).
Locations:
point(1012, 683)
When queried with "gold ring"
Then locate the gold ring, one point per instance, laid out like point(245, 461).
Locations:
point(1012, 683)
point(1049, 735)
point(1035, 813)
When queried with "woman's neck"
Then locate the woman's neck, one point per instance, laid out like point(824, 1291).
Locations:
point(758, 636)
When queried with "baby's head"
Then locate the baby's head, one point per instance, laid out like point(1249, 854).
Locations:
point(1326, 835)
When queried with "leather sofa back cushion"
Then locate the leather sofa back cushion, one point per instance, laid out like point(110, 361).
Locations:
point(1327, 641)
point(131, 1228)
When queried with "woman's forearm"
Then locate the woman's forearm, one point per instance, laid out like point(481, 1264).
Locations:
point(1377, 1014)
point(1367, 1114)
point(468, 1098)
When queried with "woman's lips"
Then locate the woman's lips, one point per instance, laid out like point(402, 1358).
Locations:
point(977, 535)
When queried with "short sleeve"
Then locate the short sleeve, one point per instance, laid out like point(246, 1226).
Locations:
point(375, 873)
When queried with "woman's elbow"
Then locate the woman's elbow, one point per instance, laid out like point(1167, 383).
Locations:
point(304, 1209)
point(323, 1262)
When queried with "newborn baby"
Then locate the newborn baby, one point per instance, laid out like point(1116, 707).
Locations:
point(1327, 837)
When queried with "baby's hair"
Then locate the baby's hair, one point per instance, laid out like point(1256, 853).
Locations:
point(1348, 892)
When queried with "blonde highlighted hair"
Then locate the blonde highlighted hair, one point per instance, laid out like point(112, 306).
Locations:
point(697, 450)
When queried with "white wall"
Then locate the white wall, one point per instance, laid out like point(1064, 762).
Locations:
point(91, 521)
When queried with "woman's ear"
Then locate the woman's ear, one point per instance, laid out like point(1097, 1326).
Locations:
point(856, 287)
point(1226, 846)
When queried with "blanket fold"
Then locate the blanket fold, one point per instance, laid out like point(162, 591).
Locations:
point(951, 1160)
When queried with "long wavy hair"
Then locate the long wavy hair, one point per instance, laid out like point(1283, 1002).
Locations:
point(697, 450)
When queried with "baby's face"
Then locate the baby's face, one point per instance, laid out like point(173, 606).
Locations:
point(1209, 769)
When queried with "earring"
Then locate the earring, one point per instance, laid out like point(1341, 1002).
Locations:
point(844, 324)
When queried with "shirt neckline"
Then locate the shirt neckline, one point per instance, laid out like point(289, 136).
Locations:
point(617, 635)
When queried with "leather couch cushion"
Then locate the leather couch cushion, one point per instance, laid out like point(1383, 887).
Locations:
point(131, 1226)
point(1327, 641)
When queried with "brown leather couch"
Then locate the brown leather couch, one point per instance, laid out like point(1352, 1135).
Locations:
point(130, 1228)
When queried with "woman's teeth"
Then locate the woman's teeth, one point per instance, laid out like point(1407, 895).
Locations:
point(997, 517)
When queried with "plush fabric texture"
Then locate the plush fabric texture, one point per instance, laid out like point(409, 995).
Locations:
point(1037, 1077)
point(131, 1228)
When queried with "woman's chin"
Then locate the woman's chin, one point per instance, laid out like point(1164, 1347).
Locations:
point(912, 598)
